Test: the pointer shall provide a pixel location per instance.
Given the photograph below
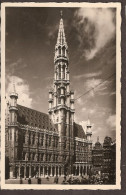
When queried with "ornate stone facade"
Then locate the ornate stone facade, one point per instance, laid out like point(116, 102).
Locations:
point(104, 158)
point(48, 144)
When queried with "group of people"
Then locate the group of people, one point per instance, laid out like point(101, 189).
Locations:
point(72, 180)
point(30, 181)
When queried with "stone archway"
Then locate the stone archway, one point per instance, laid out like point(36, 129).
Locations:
point(60, 171)
point(53, 171)
point(22, 172)
point(74, 170)
point(32, 171)
point(27, 172)
point(81, 170)
point(16, 172)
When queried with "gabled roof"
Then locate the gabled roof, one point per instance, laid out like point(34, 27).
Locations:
point(79, 131)
point(28, 116)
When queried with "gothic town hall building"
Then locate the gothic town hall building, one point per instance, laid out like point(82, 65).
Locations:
point(48, 144)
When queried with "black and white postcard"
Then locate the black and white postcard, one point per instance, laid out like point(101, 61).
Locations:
point(61, 101)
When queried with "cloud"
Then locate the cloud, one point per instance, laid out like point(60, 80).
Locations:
point(99, 25)
point(111, 121)
point(91, 83)
point(80, 101)
point(22, 88)
point(83, 109)
point(16, 66)
point(52, 31)
point(98, 86)
point(93, 74)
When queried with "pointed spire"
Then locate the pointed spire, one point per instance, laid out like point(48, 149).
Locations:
point(98, 139)
point(88, 122)
point(14, 90)
point(61, 40)
point(13, 93)
point(61, 13)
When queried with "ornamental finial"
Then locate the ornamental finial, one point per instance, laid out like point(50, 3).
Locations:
point(61, 13)
point(14, 90)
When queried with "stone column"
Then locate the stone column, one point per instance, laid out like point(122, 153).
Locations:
point(58, 170)
point(61, 71)
point(62, 171)
point(24, 171)
point(44, 140)
point(43, 171)
point(55, 171)
point(55, 75)
point(39, 170)
point(65, 73)
point(76, 170)
point(68, 76)
point(86, 170)
point(19, 171)
point(83, 170)
point(31, 138)
point(30, 171)
point(51, 170)
point(47, 170)
point(79, 171)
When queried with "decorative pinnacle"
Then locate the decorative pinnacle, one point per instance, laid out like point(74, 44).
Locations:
point(13, 93)
point(14, 85)
point(98, 139)
point(61, 13)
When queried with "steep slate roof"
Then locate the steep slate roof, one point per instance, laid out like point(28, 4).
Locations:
point(78, 131)
point(28, 116)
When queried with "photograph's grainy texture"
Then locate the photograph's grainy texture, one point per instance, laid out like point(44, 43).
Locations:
point(61, 96)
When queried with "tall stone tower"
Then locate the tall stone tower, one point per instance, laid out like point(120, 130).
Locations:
point(12, 130)
point(61, 101)
point(89, 134)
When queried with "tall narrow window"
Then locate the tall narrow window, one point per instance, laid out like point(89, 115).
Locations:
point(59, 99)
point(63, 49)
point(59, 72)
point(23, 137)
point(33, 139)
point(59, 51)
point(63, 72)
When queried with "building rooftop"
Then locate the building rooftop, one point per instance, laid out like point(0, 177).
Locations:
point(31, 117)
point(79, 131)
point(28, 116)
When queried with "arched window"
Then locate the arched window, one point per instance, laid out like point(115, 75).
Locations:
point(33, 139)
point(63, 72)
point(58, 94)
point(59, 72)
point(29, 138)
point(24, 155)
point(59, 49)
point(63, 49)
point(23, 137)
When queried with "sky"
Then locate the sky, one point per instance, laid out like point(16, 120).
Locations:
point(31, 35)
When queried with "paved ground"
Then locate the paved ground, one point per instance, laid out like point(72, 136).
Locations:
point(34, 181)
